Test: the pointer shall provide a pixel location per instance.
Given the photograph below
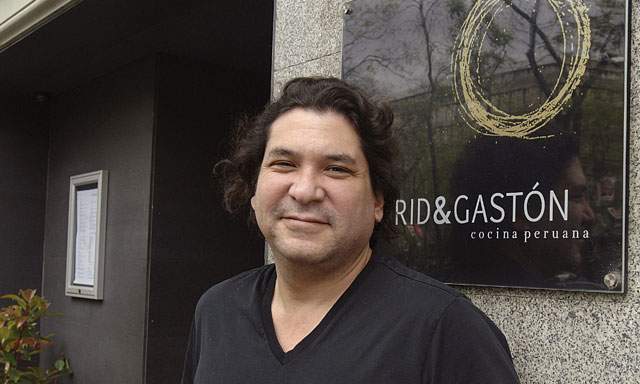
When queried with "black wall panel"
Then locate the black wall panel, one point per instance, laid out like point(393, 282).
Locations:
point(23, 167)
point(194, 243)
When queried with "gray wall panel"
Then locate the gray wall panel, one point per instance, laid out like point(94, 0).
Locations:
point(105, 124)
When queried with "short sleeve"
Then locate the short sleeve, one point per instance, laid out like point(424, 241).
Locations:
point(466, 347)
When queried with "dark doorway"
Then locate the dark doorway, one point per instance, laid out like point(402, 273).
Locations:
point(150, 89)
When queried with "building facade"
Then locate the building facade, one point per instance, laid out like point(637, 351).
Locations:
point(150, 90)
point(555, 337)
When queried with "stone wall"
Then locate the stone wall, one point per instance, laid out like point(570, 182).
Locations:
point(555, 337)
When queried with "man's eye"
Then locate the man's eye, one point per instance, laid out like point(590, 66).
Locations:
point(338, 169)
point(578, 194)
point(282, 164)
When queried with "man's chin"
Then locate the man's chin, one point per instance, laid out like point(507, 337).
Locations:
point(300, 253)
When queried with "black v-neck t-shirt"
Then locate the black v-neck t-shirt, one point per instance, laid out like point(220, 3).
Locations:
point(392, 325)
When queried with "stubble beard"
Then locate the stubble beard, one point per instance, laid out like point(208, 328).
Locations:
point(327, 254)
point(287, 246)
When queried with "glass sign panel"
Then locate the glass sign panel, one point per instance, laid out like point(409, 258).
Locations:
point(512, 119)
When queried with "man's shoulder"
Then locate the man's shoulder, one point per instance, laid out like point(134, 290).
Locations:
point(237, 289)
point(421, 294)
point(440, 305)
point(418, 283)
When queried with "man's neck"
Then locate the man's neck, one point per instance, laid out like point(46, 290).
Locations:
point(304, 295)
point(312, 285)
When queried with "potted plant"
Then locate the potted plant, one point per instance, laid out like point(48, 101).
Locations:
point(21, 342)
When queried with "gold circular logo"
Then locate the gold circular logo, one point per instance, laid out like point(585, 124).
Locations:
point(477, 110)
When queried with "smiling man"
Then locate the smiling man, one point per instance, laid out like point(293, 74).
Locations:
point(316, 168)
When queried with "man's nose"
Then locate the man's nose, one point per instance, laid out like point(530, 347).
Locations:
point(306, 188)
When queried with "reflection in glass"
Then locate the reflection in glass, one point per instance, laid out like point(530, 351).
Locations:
point(494, 100)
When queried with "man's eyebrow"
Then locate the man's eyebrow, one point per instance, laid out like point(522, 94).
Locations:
point(280, 151)
point(341, 157)
point(285, 152)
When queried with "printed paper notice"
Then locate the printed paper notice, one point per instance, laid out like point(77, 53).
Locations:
point(85, 255)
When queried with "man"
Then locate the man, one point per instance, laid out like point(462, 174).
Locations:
point(316, 168)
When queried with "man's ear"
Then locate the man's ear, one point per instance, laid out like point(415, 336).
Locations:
point(378, 208)
point(253, 202)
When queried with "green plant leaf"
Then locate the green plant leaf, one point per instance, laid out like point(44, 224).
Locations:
point(9, 358)
point(14, 376)
point(16, 298)
point(27, 294)
point(20, 340)
point(5, 333)
point(59, 364)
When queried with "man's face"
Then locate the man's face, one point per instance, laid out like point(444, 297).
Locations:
point(314, 201)
point(568, 255)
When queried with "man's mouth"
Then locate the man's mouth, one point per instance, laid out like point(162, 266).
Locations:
point(306, 219)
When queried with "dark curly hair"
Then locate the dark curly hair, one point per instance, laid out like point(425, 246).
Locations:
point(372, 122)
